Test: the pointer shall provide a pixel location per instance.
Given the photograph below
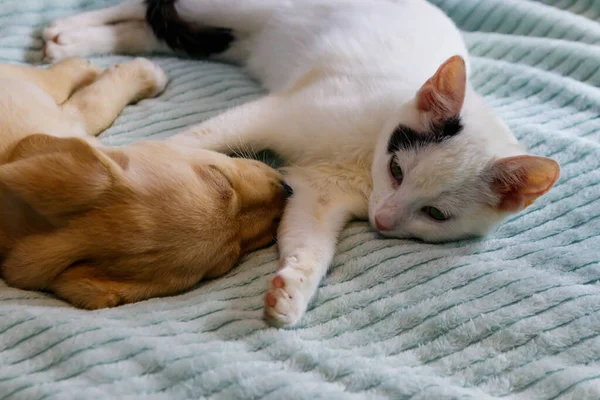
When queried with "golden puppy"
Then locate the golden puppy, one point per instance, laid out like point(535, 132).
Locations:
point(102, 226)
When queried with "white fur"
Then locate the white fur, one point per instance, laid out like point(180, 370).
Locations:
point(342, 75)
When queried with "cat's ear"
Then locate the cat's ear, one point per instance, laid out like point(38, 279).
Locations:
point(442, 96)
point(520, 180)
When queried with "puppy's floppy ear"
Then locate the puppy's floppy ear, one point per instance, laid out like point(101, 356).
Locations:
point(47, 178)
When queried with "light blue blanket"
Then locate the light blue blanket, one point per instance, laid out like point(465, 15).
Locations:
point(515, 316)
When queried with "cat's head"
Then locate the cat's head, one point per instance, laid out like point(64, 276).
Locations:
point(446, 167)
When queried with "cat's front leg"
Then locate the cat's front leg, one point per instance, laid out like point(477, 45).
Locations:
point(250, 127)
point(307, 239)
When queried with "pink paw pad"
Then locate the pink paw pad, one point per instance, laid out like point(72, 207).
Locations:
point(278, 282)
point(271, 300)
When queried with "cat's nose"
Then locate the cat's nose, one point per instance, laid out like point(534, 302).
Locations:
point(380, 226)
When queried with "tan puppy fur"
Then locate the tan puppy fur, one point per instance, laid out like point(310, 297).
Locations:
point(99, 226)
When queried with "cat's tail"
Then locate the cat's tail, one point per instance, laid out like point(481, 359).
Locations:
point(194, 39)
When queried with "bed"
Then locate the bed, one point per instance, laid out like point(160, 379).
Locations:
point(514, 316)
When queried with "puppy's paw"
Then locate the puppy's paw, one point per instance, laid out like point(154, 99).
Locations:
point(148, 77)
point(287, 297)
point(153, 74)
point(98, 301)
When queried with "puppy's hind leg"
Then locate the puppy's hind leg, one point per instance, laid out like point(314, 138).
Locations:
point(84, 287)
point(96, 106)
point(59, 80)
point(92, 288)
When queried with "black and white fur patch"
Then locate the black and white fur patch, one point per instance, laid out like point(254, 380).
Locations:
point(405, 138)
point(197, 41)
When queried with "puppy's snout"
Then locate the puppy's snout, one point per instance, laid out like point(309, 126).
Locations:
point(289, 192)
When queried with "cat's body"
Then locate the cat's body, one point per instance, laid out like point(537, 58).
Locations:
point(369, 106)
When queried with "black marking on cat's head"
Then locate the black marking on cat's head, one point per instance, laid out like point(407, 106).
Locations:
point(405, 138)
point(168, 26)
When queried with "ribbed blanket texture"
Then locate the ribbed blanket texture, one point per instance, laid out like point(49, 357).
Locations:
point(513, 316)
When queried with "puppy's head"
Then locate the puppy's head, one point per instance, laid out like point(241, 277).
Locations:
point(145, 212)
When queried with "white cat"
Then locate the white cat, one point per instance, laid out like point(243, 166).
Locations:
point(369, 105)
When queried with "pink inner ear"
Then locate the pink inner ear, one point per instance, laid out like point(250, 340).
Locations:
point(443, 94)
point(426, 98)
point(521, 180)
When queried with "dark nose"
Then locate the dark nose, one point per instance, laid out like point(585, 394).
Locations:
point(287, 188)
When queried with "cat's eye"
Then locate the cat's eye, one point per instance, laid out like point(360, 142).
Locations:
point(396, 171)
point(435, 213)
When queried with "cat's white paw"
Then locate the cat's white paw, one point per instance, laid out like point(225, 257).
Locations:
point(286, 299)
point(72, 23)
point(68, 44)
point(51, 32)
